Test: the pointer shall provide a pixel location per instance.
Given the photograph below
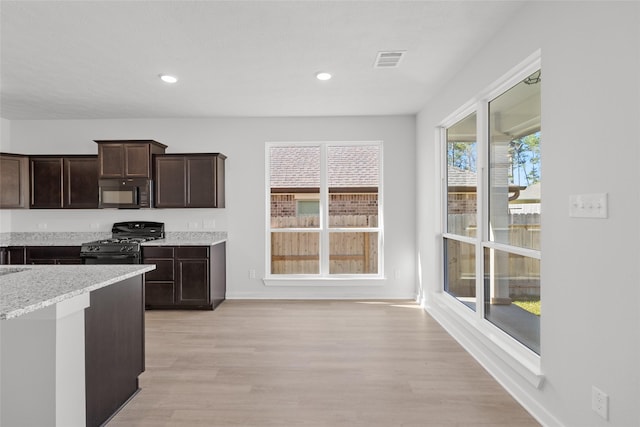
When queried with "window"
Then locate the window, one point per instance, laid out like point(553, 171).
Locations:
point(308, 208)
point(324, 214)
point(512, 246)
point(492, 202)
point(461, 206)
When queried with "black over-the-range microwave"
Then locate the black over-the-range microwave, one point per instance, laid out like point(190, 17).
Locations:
point(125, 193)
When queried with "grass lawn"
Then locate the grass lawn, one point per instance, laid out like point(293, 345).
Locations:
point(529, 304)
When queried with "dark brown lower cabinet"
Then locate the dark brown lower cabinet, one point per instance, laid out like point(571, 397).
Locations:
point(53, 255)
point(12, 255)
point(114, 348)
point(190, 277)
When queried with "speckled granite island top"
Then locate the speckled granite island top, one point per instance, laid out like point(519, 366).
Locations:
point(27, 288)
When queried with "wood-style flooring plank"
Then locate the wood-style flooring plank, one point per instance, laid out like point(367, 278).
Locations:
point(312, 364)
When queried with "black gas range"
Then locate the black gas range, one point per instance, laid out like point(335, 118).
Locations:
point(124, 245)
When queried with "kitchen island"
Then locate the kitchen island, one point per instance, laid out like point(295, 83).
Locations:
point(71, 342)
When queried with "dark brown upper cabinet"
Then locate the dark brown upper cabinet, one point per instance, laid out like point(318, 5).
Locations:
point(127, 158)
point(80, 182)
point(14, 181)
point(189, 180)
point(64, 182)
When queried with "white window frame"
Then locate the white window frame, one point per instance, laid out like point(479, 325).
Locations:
point(323, 229)
point(524, 360)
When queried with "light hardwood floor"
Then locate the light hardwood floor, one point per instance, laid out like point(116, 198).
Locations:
point(312, 363)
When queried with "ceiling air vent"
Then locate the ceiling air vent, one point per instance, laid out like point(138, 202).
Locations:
point(389, 59)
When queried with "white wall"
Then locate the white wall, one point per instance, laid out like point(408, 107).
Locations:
point(243, 141)
point(590, 270)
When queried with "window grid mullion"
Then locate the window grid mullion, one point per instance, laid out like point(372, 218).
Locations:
point(324, 211)
point(482, 212)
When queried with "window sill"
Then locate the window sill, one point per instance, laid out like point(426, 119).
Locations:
point(493, 342)
point(302, 280)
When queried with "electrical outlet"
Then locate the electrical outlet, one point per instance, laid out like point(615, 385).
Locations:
point(209, 224)
point(42, 226)
point(193, 225)
point(252, 273)
point(600, 402)
point(95, 226)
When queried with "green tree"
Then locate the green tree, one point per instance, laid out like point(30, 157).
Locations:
point(525, 159)
point(462, 155)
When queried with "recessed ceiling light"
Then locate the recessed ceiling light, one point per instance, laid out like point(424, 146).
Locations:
point(323, 76)
point(167, 78)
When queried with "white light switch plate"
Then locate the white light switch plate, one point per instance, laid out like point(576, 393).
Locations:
point(588, 205)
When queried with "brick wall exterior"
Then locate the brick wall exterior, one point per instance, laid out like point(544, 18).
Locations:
point(461, 203)
point(284, 205)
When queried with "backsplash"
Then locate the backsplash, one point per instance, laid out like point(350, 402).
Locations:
point(101, 220)
point(78, 238)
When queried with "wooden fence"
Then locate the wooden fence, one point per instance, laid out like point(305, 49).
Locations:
point(349, 252)
point(523, 229)
point(522, 272)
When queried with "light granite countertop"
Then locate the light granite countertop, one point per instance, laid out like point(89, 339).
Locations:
point(24, 289)
point(189, 239)
point(172, 238)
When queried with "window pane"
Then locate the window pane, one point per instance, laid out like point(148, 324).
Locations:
point(512, 295)
point(353, 173)
point(309, 208)
point(295, 253)
point(353, 253)
point(514, 156)
point(460, 271)
point(462, 182)
point(294, 174)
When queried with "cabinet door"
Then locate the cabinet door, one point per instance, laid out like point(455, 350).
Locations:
point(14, 181)
point(201, 182)
point(46, 182)
point(137, 161)
point(111, 160)
point(16, 255)
point(170, 182)
point(12, 255)
point(81, 182)
point(193, 281)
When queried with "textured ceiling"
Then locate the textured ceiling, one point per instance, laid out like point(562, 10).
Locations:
point(101, 59)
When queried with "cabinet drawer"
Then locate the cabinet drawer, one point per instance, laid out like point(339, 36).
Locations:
point(157, 252)
point(164, 269)
point(192, 252)
point(159, 293)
